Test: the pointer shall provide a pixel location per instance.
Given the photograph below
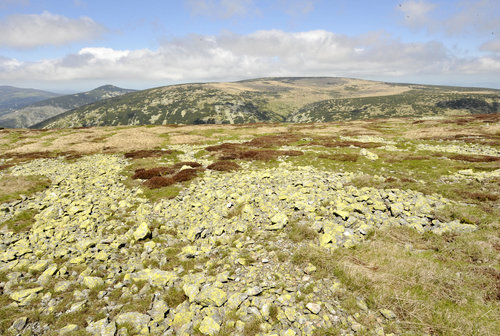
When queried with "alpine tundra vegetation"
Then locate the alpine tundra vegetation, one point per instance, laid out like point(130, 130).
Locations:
point(366, 227)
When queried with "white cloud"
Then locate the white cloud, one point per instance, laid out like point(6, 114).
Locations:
point(263, 53)
point(467, 16)
point(416, 12)
point(34, 30)
point(493, 46)
point(479, 16)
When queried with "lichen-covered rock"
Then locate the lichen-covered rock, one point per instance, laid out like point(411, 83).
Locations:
point(210, 243)
point(155, 277)
point(367, 154)
point(22, 294)
point(142, 231)
point(209, 327)
point(92, 282)
point(191, 291)
point(102, 327)
point(137, 320)
point(313, 307)
point(211, 296)
point(278, 222)
point(68, 329)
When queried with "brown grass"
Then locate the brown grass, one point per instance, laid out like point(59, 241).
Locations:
point(185, 175)
point(6, 166)
point(224, 166)
point(231, 151)
point(265, 155)
point(159, 182)
point(141, 154)
point(21, 157)
point(149, 173)
point(480, 196)
point(340, 157)
point(224, 147)
point(474, 158)
point(269, 141)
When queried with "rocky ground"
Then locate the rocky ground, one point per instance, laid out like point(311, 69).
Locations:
point(228, 253)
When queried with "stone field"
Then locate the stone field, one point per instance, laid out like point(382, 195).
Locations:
point(227, 251)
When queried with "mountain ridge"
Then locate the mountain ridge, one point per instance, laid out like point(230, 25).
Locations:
point(41, 110)
point(278, 99)
point(13, 98)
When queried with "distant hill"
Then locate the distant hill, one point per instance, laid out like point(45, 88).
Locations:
point(295, 99)
point(41, 110)
point(13, 98)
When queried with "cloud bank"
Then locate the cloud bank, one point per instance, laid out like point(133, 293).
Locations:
point(34, 30)
point(260, 54)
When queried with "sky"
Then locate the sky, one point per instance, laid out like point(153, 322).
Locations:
point(77, 45)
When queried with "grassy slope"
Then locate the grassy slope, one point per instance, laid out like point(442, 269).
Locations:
point(276, 100)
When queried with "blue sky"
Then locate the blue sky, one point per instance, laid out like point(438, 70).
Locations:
point(73, 45)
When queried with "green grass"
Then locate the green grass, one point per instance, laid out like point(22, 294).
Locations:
point(300, 232)
point(161, 193)
point(21, 222)
point(444, 285)
point(174, 296)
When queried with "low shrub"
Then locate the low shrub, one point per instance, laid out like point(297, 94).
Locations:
point(145, 174)
point(185, 175)
point(224, 166)
point(159, 182)
point(269, 141)
point(474, 158)
point(141, 154)
point(190, 164)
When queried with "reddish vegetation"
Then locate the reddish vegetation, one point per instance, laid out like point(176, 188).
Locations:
point(23, 157)
point(474, 158)
point(29, 156)
point(190, 164)
point(140, 154)
point(268, 141)
point(159, 182)
point(480, 196)
point(231, 151)
point(224, 166)
point(156, 177)
point(7, 166)
point(149, 173)
point(185, 175)
point(265, 155)
point(225, 147)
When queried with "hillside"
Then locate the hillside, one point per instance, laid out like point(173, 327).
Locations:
point(369, 227)
point(13, 98)
point(42, 110)
point(278, 100)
